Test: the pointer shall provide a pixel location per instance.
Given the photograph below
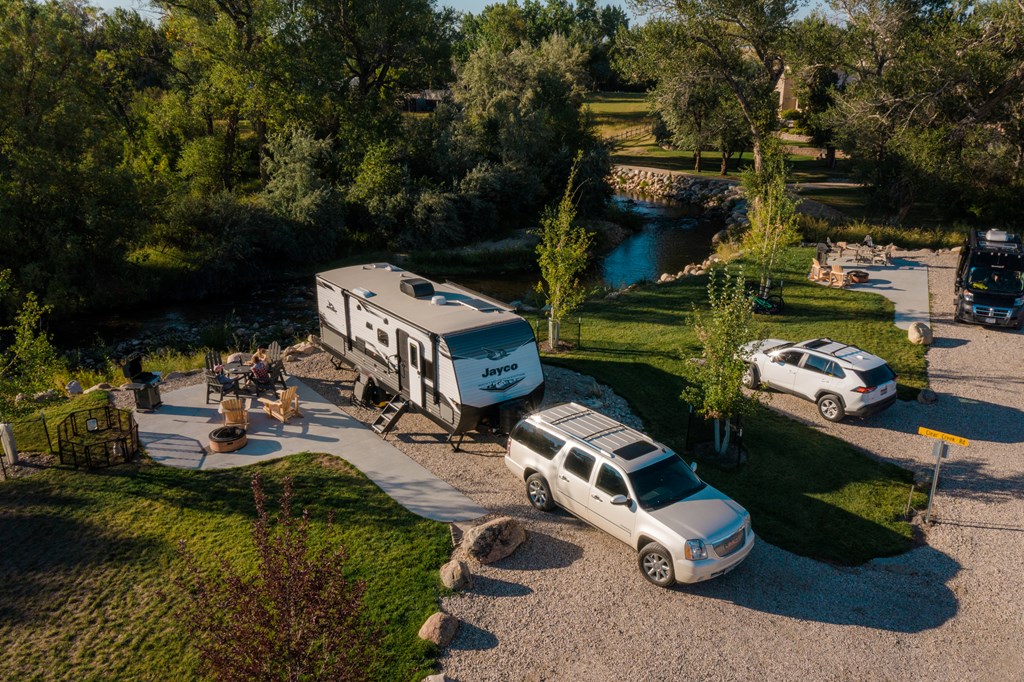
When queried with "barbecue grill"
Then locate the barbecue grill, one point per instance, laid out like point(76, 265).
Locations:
point(145, 385)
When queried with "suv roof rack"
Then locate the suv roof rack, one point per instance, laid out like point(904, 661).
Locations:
point(611, 438)
point(996, 240)
point(841, 351)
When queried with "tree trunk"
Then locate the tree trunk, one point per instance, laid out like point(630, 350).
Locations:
point(830, 157)
point(230, 136)
point(739, 160)
point(261, 157)
point(723, 429)
point(553, 332)
point(696, 160)
point(725, 162)
point(758, 154)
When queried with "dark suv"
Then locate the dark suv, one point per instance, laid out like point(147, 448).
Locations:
point(990, 279)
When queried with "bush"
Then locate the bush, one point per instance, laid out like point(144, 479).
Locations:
point(296, 617)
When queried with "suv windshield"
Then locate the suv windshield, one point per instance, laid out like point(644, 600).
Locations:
point(998, 274)
point(664, 482)
point(877, 375)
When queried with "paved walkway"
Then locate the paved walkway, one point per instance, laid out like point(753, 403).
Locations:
point(176, 435)
point(905, 283)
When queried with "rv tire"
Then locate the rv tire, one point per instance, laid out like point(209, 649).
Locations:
point(539, 493)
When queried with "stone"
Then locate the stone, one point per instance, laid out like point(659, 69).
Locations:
point(920, 334)
point(955, 249)
point(591, 388)
point(440, 629)
point(493, 540)
point(74, 388)
point(455, 575)
point(237, 357)
point(665, 277)
point(48, 394)
point(439, 677)
point(313, 339)
point(927, 397)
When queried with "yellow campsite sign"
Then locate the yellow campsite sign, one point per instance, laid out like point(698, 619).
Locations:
point(956, 440)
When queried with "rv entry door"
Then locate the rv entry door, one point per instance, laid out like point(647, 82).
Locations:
point(414, 361)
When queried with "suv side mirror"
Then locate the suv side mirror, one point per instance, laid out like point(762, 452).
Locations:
point(620, 500)
point(693, 466)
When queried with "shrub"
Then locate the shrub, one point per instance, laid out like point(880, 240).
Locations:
point(297, 617)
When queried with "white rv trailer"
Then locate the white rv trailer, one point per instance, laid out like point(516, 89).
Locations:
point(454, 354)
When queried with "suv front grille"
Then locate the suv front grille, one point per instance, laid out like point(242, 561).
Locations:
point(731, 543)
point(988, 311)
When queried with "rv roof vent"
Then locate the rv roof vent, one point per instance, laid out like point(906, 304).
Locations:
point(996, 236)
point(416, 287)
point(438, 300)
point(382, 266)
point(365, 293)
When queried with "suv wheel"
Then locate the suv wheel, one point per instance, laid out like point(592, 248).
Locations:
point(539, 492)
point(831, 408)
point(751, 378)
point(656, 565)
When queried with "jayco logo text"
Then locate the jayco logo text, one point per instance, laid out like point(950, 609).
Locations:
point(498, 371)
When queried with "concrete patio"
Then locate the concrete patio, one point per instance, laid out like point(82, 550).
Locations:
point(905, 283)
point(177, 433)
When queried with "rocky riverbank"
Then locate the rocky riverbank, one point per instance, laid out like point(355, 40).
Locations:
point(721, 199)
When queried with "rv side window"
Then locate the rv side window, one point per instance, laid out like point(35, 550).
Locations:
point(541, 442)
point(428, 367)
point(414, 357)
point(382, 337)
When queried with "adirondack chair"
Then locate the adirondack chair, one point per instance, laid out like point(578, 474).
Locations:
point(274, 356)
point(216, 383)
point(838, 277)
point(235, 411)
point(260, 382)
point(277, 374)
point(819, 272)
point(285, 407)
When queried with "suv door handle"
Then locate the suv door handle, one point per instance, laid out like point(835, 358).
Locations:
point(596, 497)
point(563, 478)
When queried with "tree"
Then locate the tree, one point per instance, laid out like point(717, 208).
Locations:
point(740, 43)
point(297, 617)
point(772, 213)
point(29, 363)
point(715, 381)
point(562, 257)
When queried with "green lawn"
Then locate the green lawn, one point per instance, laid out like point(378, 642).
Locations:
point(811, 494)
point(85, 591)
point(616, 111)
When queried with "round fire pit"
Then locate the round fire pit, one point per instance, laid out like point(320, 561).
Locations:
point(227, 439)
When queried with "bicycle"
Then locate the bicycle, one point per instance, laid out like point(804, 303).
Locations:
point(767, 304)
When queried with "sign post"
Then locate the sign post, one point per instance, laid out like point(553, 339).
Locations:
point(941, 451)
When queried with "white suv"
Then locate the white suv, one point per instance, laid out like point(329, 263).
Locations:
point(633, 488)
point(843, 380)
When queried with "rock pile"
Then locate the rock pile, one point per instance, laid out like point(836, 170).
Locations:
point(717, 198)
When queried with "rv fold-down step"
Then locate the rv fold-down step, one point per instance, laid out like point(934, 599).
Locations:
point(390, 415)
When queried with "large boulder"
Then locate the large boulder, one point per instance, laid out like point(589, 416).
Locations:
point(455, 575)
point(920, 334)
point(74, 388)
point(440, 628)
point(927, 396)
point(494, 539)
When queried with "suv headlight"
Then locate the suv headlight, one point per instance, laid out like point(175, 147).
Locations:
point(1018, 302)
point(968, 296)
point(695, 550)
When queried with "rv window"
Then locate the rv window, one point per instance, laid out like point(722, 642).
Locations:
point(382, 337)
point(369, 326)
point(428, 368)
point(414, 357)
point(541, 442)
point(490, 343)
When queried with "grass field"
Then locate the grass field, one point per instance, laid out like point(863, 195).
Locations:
point(87, 562)
point(614, 112)
point(809, 493)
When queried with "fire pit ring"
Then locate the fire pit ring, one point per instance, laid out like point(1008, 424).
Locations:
point(227, 439)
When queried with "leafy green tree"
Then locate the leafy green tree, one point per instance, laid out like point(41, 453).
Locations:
point(772, 213)
point(715, 381)
point(29, 363)
point(562, 255)
point(739, 43)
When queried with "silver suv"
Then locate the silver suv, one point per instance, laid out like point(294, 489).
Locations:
point(843, 380)
point(633, 488)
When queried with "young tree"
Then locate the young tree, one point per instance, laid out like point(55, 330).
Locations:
point(297, 617)
point(562, 256)
point(715, 383)
point(772, 213)
point(29, 363)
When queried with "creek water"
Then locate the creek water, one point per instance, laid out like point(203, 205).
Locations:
point(673, 236)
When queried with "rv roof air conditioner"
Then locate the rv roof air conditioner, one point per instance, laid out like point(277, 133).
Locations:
point(438, 300)
point(996, 236)
point(416, 287)
point(364, 293)
point(383, 266)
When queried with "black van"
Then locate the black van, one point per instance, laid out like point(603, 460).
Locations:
point(990, 279)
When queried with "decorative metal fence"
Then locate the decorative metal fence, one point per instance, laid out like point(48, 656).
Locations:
point(97, 438)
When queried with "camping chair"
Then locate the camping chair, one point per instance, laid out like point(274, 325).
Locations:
point(838, 276)
point(883, 256)
point(235, 411)
point(819, 272)
point(214, 383)
point(285, 407)
point(274, 355)
point(257, 385)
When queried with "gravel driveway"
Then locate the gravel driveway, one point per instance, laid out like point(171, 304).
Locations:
point(571, 604)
